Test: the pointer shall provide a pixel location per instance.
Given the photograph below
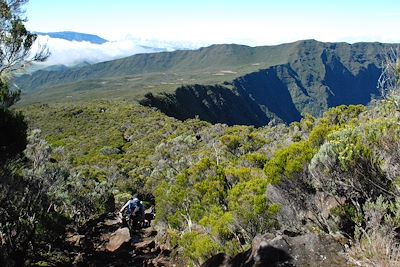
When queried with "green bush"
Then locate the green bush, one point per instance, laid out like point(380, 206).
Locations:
point(288, 161)
point(198, 247)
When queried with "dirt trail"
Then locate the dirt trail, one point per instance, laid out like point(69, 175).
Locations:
point(107, 242)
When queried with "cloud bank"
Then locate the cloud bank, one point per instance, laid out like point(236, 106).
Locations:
point(70, 53)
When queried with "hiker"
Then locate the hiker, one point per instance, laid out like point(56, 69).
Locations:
point(135, 210)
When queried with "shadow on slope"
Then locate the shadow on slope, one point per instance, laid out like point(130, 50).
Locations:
point(346, 88)
point(268, 89)
point(215, 104)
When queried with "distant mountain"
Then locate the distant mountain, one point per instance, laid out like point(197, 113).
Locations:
point(75, 36)
point(232, 84)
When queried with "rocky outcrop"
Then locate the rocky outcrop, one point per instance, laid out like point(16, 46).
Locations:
point(314, 250)
point(117, 239)
point(145, 246)
point(105, 241)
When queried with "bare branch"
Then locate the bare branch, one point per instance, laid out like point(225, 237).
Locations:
point(388, 81)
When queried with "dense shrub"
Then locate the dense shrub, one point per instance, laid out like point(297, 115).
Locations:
point(216, 187)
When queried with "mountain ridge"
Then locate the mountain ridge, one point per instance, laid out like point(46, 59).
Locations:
point(149, 62)
point(284, 81)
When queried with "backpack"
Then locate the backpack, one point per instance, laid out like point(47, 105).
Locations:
point(133, 204)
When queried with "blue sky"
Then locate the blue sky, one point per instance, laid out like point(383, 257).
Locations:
point(253, 22)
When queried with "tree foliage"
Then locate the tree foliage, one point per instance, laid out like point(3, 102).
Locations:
point(15, 40)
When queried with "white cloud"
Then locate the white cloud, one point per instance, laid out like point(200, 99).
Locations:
point(74, 52)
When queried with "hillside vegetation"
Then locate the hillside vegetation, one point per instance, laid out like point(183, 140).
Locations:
point(216, 187)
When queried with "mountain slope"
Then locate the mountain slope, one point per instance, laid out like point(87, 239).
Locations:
point(241, 84)
point(310, 84)
point(205, 60)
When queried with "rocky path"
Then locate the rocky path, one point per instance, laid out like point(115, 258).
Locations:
point(107, 242)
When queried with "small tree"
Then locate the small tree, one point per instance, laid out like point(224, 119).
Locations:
point(15, 47)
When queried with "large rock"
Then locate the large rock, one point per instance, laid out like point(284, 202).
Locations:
point(149, 232)
point(311, 250)
point(113, 221)
point(146, 245)
point(317, 250)
point(117, 239)
point(74, 239)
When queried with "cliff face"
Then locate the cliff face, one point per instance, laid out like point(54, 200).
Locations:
point(216, 104)
point(283, 92)
point(344, 87)
point(270, 89)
